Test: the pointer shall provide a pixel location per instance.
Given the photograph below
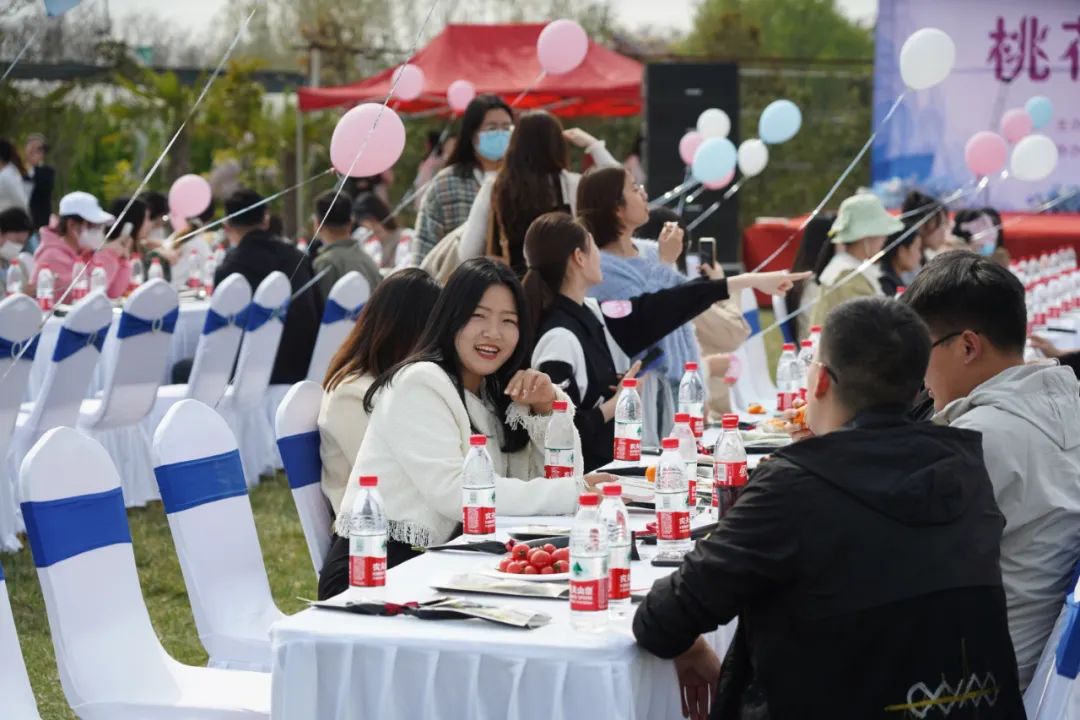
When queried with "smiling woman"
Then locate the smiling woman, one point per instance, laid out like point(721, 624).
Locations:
point(469, 375)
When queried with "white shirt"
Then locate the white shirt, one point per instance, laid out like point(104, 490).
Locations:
point(12, 189)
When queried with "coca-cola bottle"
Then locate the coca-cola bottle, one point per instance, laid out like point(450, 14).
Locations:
point(729, 467)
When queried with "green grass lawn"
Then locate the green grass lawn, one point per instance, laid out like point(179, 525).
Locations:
point(284, 551)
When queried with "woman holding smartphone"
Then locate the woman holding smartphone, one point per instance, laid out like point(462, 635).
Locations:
point(581, 337)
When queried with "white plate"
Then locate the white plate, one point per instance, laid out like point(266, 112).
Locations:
point(528, 578)
point(539, 530)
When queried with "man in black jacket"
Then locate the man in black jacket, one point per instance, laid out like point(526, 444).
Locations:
point(255, 253)
point(862, 563)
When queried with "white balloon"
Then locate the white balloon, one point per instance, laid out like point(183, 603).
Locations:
point(714, 122)
point(927, 58)
point(753, 157)
point(1034, 158)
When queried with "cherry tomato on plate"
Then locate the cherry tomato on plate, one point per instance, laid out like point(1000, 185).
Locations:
point(561, 566)
point(540, 558)
point(530, 570)
point(520, 552)
point(549, 548)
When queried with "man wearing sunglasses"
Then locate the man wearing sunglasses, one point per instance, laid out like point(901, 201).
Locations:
point(1029, 417)
point(862, 563)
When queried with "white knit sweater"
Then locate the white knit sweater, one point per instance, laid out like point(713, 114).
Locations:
point(416, 443)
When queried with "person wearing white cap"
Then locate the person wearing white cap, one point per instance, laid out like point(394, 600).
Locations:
point(77, 236)
point(859, 233)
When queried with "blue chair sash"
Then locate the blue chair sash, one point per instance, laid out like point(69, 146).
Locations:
point(131, 325)
point(753, 320)
point(61, 529)
point(9, 349)
point(257, 315)
point(188, 484)
point(1068, 649)
point(336, 312)
point(300, 455)
point(69, 342)
point(215, 321)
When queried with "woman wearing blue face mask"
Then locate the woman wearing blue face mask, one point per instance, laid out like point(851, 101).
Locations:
point(534, 180)
point(981, 230)
point(480, 145)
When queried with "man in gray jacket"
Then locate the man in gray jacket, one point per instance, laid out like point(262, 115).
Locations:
point(1029, 417)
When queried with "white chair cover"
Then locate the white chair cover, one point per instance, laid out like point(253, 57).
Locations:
point(111, 664)
point(198, 470)
point(754, 384)
point(1050, 696)
point(76, 354)
point(297, 426)
point(242, 407)
point(19, 323)
point(142, 340)
point(16, 695)
point(215, 354)
point(343, 307)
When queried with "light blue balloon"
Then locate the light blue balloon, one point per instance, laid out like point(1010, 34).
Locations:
point(1040, 109)
point(779, 122)
point(59, 7)
point(714, 159)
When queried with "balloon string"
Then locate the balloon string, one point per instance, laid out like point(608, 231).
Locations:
point(367, 138)
point(672, 194)
point(836, 186)
point(684, 200)
point(142, 185)
point(539, 79)
point(715, 206)
point(18, 57)
point(880, 254)
point(309, 284)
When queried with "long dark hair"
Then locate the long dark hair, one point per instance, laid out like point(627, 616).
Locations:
point(464, 159)
point(9, 154)
point(815, 238)
point(455, 306)
point(136, 215)
point(387, 329)
point(549, 245)
point(529, 183)
point(599, 197)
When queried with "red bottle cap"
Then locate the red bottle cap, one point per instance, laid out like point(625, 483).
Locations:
point(630, 383)
point(368, 481)
point(682, 417)
point(559, 405)
point(808, 343)
point(815, 328)
point(789, 346)
point(588, 499)
point(730, 421)
point(612, 489)
point(670, 443)
point(691, 365)
point(478, 440)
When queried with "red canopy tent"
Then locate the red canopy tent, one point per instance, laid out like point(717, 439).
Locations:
point(501, 60)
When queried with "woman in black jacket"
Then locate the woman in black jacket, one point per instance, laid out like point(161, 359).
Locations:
point(578, 336)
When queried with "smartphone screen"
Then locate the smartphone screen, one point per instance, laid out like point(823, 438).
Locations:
point(707, 246)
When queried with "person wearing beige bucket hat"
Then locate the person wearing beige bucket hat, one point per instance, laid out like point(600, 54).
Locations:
point(859, 232)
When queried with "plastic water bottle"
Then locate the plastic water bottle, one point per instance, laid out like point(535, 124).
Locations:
point(194, 280)
point(672, 513)
point(367, 541)
point(628, 423)
point(137, 275)
point(478, 491)
point(787, 378)
point(80, 282)
point(806, 359)
point(815, 336)
point(209, 270)
point(559, 442)
point(729, 467)
point(45, 289)
point(617, 521)
point(692, 398)
point(156, 272)
point(588, 567)
point(98, 280)
point(15, 280)
point(688, 448)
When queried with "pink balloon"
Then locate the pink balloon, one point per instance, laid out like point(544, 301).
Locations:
point(562, 47)
point(460, 94)
point(1016, 125)
point(407, 82)
point(688, 145)
point(721, 183)
point(985, 153)
point(189, 196)
point(368, 140)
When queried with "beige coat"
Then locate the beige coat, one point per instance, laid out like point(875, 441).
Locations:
point(720, 329)
point(342, 424)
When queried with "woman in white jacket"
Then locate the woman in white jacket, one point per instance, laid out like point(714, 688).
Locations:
point(533, 180)
point(466, 377)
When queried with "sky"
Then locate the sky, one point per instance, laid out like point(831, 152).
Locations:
point(676, 14)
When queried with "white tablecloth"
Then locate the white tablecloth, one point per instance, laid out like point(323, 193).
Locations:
point(185, 338)
point(331, 664)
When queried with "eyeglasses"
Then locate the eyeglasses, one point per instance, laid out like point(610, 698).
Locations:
point(946, 338)
point(828, 370)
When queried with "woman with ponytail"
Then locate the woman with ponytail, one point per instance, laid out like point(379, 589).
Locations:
point(584, 344)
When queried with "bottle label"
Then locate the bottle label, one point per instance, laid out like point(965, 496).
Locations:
point(558, 463)
point(620, 583)
point(628, 441)
point(785, 400)
point(697, 424)
point(730, 474)
point(589, 595)
point(367, 571)
point(478, 520)
point(673, 525)
point(45, 303)
point(802, 394)
point(691, 493)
